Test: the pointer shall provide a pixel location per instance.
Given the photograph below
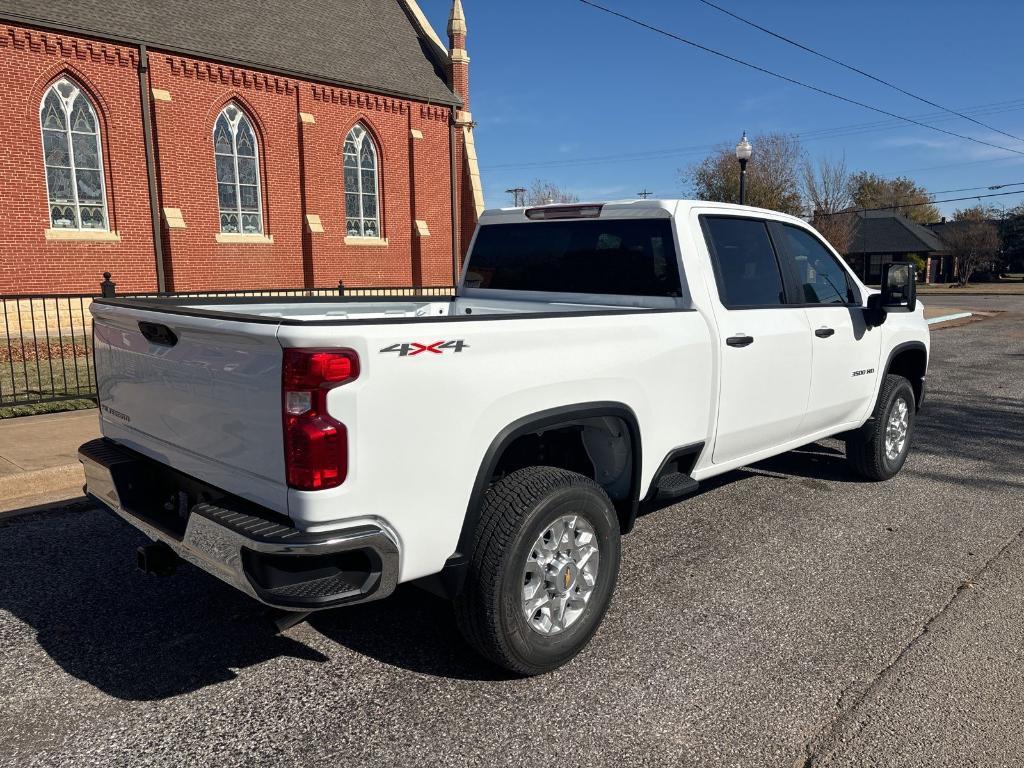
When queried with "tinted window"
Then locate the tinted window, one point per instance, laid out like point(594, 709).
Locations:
point(745, 265)
point(819, 278)
point(623, 257)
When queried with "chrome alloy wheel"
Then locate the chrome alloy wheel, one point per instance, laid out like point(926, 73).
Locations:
point(896, 429)
point(560, 575)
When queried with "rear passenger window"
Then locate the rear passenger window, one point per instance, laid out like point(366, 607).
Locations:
point(745, 265)
point(819, 278)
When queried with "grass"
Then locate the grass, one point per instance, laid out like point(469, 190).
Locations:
point(47, 370)
point(1011, 285)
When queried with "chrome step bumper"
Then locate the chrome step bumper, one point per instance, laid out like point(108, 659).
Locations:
point(250, 549)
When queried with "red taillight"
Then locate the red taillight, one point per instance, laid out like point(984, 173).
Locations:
point(315, 445)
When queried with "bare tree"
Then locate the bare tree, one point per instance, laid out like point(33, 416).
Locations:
point(542, 192)
point(827, 191)
point(971, 239)
point(773, 175)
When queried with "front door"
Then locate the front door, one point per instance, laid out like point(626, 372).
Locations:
point(765, 343)
point(845, 351)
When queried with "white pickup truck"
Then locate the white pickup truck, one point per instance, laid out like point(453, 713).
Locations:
point(597, 361)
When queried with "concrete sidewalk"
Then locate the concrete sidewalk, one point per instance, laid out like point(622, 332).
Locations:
point(39, 457)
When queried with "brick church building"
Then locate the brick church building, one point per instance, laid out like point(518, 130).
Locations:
point(231, 145)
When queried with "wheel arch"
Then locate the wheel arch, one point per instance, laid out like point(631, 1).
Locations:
point(910, 360)
point(549, 420)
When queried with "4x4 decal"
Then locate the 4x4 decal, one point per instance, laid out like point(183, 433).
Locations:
point(413, 348)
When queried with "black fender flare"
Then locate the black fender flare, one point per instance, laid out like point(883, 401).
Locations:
point(899, 349)
point(561, 416)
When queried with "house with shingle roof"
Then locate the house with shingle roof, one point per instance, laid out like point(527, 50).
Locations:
point(882, 237)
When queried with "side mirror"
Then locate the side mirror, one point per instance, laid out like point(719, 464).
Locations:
point(899, 287)
point(874, 313)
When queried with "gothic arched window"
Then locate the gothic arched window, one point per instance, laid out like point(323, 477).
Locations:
point(73, 158)
point(238, 172)
point(362, 210)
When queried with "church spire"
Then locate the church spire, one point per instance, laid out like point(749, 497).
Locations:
point(459, 72)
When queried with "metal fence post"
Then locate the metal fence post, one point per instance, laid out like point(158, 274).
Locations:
point(108, 288)
point(341, 287)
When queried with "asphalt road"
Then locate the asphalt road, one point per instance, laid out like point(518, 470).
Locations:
point(787, 615)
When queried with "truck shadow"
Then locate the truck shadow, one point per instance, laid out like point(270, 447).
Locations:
point(413, 630)
point(70, 576)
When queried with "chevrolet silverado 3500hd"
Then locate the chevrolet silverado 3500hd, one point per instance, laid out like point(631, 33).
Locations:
point(597, 360)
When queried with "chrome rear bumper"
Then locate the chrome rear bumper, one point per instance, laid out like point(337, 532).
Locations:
point(253, 550)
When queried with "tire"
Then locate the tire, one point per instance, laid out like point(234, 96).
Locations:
point(866, 449)
point(511, 545)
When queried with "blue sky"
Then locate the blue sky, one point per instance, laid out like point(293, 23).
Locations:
point(561, 91)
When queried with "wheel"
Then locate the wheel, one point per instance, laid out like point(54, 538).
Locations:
point(879, 449)
point(544, 564)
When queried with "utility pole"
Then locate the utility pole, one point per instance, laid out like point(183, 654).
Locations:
point(518, 196)
point(644, 195)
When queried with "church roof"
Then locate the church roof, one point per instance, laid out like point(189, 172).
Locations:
point(375, 45)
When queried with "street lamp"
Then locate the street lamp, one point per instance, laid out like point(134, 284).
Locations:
point(743, 152)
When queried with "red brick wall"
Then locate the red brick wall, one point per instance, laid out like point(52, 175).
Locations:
point(300, 163)
point(29, 263)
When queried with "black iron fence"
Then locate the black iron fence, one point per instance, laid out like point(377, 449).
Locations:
point(46, 340)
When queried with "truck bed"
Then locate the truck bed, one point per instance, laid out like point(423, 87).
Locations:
point(300, 310)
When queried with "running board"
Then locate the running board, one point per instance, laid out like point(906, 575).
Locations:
point(675, 485)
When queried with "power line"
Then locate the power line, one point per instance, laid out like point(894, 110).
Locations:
point(818, 134)
point(785, 78)
point(971, 189)
point(852, 68)
point(927, 202)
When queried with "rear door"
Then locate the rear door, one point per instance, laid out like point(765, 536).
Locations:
point(200, 394)
point(765, 345)
point(845, 351)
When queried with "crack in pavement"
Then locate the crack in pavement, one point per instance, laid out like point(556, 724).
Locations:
point(845, 726)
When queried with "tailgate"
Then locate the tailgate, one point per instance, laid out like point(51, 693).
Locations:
point(205, 399)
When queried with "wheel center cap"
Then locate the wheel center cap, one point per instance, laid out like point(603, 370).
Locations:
point(564, 578)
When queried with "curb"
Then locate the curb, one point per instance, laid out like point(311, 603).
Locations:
point(947, 318)
point(60, 482)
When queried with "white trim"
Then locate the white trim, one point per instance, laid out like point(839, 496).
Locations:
point(424, 28)
point(373, 242)
point(238, 238)
point(84, 235)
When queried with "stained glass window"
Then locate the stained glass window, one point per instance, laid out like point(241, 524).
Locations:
point(236, 155)
point(362, 214)
point(73, 158)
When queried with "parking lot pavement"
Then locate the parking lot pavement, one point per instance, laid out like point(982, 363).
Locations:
point(786, 615)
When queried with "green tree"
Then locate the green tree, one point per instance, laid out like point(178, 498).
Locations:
point(773, 175)
point(869, 190)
